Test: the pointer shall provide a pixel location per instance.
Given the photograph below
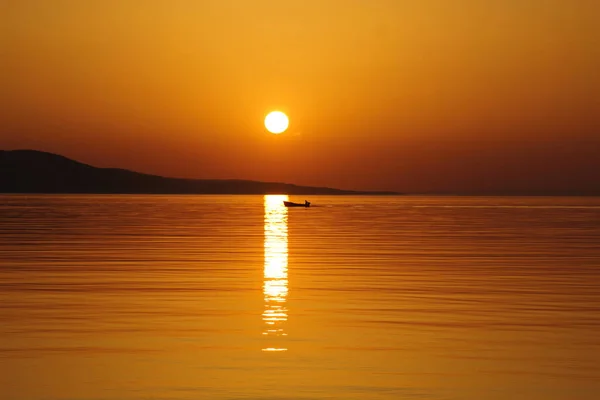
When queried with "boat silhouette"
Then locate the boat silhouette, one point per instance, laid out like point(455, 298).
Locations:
point(292, 204)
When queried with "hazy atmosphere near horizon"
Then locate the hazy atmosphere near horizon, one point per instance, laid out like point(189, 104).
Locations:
point(430, 96)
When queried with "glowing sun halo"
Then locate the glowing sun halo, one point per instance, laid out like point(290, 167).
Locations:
point(276, 122)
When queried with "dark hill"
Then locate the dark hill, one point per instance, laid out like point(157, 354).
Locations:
point(30, 171)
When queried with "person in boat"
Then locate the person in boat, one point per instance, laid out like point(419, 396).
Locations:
point(307, 203)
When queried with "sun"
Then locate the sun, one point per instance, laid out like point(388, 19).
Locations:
point(276, 122)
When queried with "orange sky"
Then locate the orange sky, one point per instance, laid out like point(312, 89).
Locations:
point(431, 96)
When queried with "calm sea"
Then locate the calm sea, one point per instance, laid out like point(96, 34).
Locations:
point(237, 297)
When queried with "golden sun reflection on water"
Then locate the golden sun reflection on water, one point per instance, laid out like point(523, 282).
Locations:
point(275, 286)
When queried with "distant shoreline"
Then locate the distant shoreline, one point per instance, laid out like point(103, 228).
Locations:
point(38, 172)
point(220, 194)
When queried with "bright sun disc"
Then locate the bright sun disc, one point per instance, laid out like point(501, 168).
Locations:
point(276, 122)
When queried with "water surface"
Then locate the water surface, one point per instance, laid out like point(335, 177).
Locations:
point(237, 297)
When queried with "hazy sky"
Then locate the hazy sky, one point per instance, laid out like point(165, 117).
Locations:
point(409, 95)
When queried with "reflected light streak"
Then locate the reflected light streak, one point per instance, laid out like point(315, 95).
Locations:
point(275, 286)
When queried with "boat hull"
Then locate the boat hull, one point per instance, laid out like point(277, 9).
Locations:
point(291, 204)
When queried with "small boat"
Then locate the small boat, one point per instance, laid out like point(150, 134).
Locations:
point(292, 204)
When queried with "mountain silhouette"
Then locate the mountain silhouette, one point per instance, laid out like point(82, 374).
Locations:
point(31, 171)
